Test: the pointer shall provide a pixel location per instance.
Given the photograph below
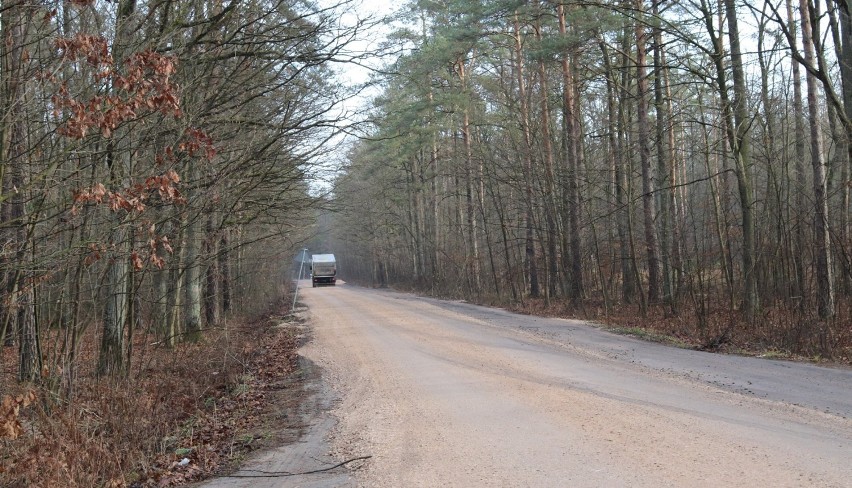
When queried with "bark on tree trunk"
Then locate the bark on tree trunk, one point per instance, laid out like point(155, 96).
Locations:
point(628, 286)
point(192, 265)
point(844, 8)
point(211, 295)
point(664, 163)
point(435, 202)
point(822, 239)
point(531, 267)
point(648, 207)
point(799, 253)
point(738, 128)
point(20, 306)
point(225, 270)
point(550, 204)
point(573, 140)
point(111, 358)
point(470, 209)
point(23, 298)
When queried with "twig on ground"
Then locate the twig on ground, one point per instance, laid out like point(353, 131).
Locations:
point(281, 474)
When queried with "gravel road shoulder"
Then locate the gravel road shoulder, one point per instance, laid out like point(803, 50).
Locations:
point(305, 460)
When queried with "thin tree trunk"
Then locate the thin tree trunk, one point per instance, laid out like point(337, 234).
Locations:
point(822, 241)
point(23, 297)
point(844, 8)
point(648, 210)
point(111, 357)
point(211, 295)
point(737, 123)
point(499, 208)
point(774, 279)
point(192, 265)
point(842, 36)
point(675, 195)
point(628, 285)
point(470, 209)
point(20, 317)
point(531, 267)
point(225, 270)
point(799, 251)
point(573, 141)
point(555, 278)
point(664, 164)
point(435, 201)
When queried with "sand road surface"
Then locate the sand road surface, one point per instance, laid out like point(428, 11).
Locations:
point(450, 394)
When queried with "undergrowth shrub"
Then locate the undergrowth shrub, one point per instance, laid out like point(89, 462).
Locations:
point(176, 403)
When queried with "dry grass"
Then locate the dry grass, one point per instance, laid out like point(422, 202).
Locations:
point(202, 402)
point(778, 331)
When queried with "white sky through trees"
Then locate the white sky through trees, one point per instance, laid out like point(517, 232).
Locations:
point(357, 63)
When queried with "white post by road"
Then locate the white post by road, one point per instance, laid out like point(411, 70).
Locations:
point(299, 277)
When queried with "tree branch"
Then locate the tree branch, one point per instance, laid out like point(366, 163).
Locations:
point(282, 474)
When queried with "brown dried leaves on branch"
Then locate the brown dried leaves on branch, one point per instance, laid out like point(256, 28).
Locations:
point(131, 199)
point(142, 84)
point(125, 92)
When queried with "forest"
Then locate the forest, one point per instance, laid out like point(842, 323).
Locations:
point(681, 165)
point(156, 160)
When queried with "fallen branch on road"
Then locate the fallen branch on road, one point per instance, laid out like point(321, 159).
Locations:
point(281, 474)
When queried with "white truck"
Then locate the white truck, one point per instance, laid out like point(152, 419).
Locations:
point(323, 270)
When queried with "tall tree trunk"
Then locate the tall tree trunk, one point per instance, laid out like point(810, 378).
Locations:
point(776, 278)
point(414, 238)
point(470, 209)
point(422, 220)
point(192, 264)
point(799, 251)
point(712, 169)
point(550, 204)
point(23, 298)
point(676, 196)
point(435, 198)
point(844, 8)
point(19, 273)
point(499, 206)
point(111, 357)
point(532, 270)
point(176, 328)
point(648, 210)
point(628, 286)
point(573, 164)
point(738, 128)
point(211, 294)
point(225, 270)
point(840, 169)
point(664, 163)
point(840, 160)
point(844, 46)
point(822, 239)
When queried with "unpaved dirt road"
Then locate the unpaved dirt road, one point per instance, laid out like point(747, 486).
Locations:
point(449, 394)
